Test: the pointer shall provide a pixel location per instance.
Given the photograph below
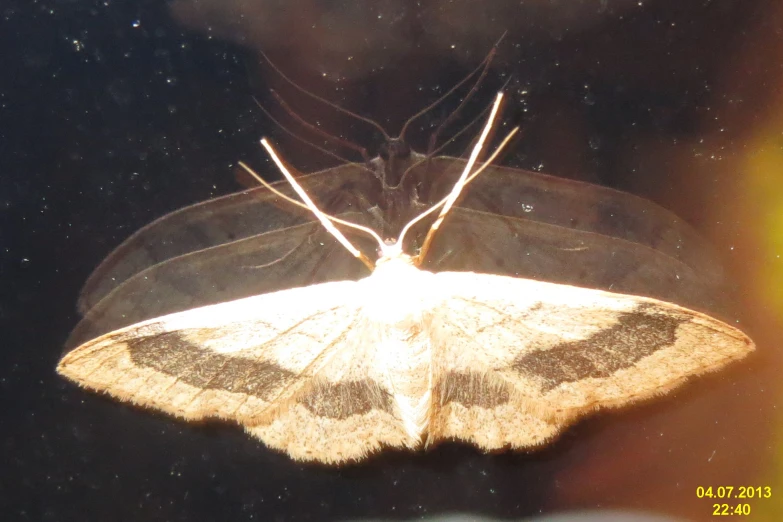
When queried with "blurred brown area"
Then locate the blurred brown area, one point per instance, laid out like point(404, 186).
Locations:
point(674, 101)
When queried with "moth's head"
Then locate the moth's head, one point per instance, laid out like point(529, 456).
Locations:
point(390, 248)
point(391, 253)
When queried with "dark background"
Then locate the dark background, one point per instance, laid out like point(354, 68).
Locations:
point(114, 113)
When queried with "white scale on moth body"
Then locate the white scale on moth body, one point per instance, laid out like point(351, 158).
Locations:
point(405, 357)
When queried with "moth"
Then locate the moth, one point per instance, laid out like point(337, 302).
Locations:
point(499, 329)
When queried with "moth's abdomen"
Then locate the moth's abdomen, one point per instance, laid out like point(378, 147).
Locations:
point(404, 356)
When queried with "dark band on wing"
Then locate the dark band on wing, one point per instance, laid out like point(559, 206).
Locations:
point(171, 353)
point(343, 399)
point(471, 389)
point(636, 335)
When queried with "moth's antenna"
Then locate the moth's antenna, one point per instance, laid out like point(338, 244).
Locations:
point(458, 186)
point(473, 176)
point(433, 148)
point(446, 143)
point(483, 67)
point(291, 200)
point(317, 130)
point(455, 113)
point(324, 100)
point(269, 187)
point(307, 142)
point(315, 210)
point(492, 157)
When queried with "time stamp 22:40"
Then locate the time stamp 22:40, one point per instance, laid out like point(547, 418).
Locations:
point(730, 493)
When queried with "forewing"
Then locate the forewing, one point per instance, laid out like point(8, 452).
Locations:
point(225, 220)
point(290, 366)
point(515, 360)
point(571, 205)
point(291, 257)
point(505, 245)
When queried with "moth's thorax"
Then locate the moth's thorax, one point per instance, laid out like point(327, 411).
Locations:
point(396, 292)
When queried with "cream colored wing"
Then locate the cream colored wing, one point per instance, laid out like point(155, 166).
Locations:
point(289, 366)
point(516, 361)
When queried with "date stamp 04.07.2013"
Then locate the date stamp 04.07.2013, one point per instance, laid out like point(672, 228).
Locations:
point(733, 500)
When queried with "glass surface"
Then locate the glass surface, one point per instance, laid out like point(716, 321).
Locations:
point(113, 115)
